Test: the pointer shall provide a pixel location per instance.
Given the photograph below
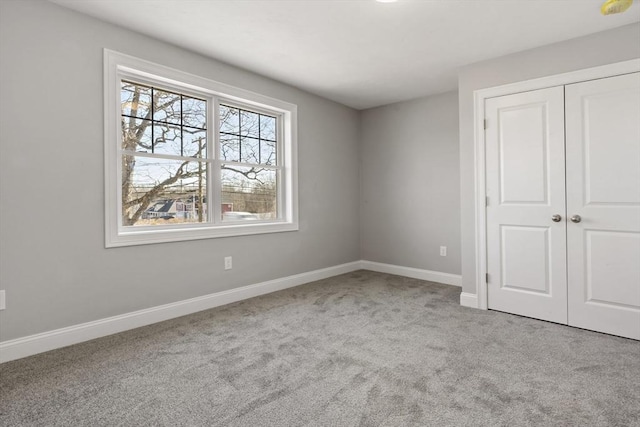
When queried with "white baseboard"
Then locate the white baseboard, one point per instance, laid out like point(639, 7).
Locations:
point(34, 344)
point(469, 300)
point(39, 343)
point(414, 273)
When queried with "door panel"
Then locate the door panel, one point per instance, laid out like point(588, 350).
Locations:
point(607, 276)
point(603, 187)
point(525, 258)
point(523, 153)
point(526, 250)
point(609, 119)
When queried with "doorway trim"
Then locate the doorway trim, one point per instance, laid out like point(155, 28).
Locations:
point(479, 97)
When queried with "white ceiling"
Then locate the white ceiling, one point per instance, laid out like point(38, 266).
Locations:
point(360, 53)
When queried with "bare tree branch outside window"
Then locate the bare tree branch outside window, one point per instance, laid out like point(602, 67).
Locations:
point(164, 168)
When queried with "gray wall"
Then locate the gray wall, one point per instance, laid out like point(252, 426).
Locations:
point(415, 179)
point(590, 51)
point(410, 194)
point(54, 266)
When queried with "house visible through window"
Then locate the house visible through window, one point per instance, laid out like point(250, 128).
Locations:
point(190, 161)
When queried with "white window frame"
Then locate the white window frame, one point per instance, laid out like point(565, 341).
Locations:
point(117, 67)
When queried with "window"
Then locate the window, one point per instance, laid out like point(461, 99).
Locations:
point(189, 158)
point(249, 152)
point(164, 156)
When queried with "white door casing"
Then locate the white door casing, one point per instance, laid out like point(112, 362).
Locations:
point(478, 299)
point(525, 185)
point(624, 247)
point(603, 188)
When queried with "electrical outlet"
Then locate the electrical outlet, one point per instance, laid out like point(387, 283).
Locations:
point(443, 251)
point(3, 300)
point(228, 263)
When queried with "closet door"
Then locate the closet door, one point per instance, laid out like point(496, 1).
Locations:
point(603, 189)
point(526, 227)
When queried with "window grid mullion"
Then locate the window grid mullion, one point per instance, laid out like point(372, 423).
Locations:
point(259, 139)
point(162, 122)
point(182, 128)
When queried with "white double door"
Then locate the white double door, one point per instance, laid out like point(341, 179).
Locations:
point(563, 206)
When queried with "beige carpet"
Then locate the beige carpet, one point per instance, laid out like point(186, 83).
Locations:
point(362, 349)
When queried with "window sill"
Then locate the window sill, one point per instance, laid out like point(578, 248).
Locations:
point(135, 237)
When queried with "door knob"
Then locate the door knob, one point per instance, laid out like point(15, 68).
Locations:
point(576, 218)
point(556, 218)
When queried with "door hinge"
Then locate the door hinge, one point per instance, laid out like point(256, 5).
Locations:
point(487, 278)
point(485, 124)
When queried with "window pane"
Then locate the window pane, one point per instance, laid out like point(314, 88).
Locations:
point(166, 106)
point(229, 148)
point(167, 140)
point(249, 125)
point(161, 192)
point(268, 152)
point(268, 128)
point(250, 150)
point(135, 100)
point(229, 120)
point(248, 193)
point(194, 142)
point(136, 134)
point(194, 112)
